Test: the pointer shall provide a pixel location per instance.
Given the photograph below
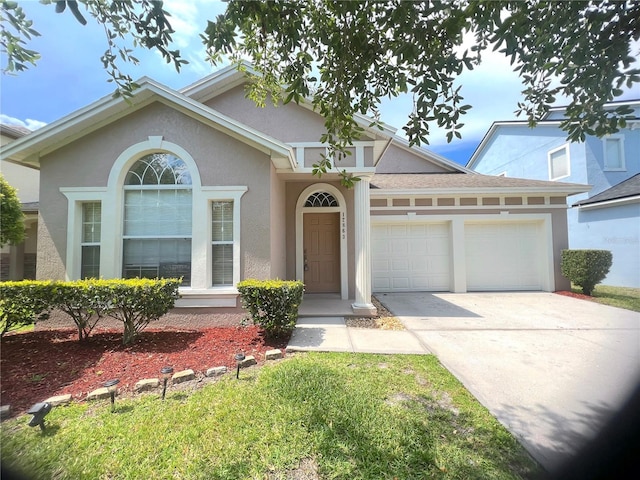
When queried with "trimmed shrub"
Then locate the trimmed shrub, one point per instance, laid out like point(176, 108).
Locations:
point(272, 304)
point(23, 303)
point(586, 268)
point(137, 302)
point(85, 301)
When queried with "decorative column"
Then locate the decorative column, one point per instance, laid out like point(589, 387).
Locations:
point(362, 228)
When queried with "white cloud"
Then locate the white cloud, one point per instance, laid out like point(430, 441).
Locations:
point(29, 123)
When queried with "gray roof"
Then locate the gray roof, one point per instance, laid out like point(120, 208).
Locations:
point(13, 131)
point(30, 206)
point(628, 188)
point(437, 181)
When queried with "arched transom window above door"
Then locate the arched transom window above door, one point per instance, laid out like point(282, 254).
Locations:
point(321, 199)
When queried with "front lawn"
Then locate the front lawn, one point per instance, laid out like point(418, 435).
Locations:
point(622, 297)
point(311, 416)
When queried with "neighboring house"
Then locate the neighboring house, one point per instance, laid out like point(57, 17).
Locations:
point(608, 217)
point(18, 262)
point(202, 184)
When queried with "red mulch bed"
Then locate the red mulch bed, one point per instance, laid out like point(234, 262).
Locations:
point(37, 365)
point(581, 296)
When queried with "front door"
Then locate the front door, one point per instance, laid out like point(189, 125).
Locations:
point(321, 252)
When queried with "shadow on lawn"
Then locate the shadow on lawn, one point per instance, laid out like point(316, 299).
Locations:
point(349, 441)
point(37, 365)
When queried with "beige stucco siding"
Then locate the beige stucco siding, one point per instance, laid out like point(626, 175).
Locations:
point(221, 161)
point(288, 123)
point(399, 160)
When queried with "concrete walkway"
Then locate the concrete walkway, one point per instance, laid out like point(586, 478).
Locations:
point(552, 369)
point(330, 334)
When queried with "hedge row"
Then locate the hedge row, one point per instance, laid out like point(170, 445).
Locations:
point(135, 302)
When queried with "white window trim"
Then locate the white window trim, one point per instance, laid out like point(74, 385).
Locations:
point(623, 163)
point(112, 200)
point(75, 198)
point(551, 152)
point(208, 196)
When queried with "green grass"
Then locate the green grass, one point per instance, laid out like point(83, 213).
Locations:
point(622, 297)
point(342, 416)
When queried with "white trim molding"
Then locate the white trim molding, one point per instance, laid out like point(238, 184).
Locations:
point(75, 198)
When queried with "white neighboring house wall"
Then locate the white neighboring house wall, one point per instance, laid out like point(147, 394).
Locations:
point(18, 261)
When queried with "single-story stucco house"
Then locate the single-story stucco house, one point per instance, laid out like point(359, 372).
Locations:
point(202, 184)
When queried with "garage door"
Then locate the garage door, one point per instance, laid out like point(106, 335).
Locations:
point(410, 257)
point(504, 256)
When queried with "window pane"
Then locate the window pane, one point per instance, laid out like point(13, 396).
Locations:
point(613, 153)
point(157, 258)
point(559, 164)
point(222, 222)
point(91, 213)
point(90, 266)
point(159, 169)
point(222, 264)
point(157, 212)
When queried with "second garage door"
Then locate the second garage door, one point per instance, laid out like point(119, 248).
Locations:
point(410, 257)
point(504, 256)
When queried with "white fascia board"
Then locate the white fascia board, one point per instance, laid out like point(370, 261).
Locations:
point(22, 149)
point(217, 83)
point(473, 191)
point(609, 203)
point(109, 109)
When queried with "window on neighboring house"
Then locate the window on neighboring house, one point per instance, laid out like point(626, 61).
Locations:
point(559, 163)
point(90, 245)
point(614, 153)
point(222, 242)
point(157, 219)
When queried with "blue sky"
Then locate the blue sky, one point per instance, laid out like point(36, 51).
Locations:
point(70, 76)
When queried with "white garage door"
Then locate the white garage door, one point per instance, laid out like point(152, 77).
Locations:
point(504, 256)
point(410, 257)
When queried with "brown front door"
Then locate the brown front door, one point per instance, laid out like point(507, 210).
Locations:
point(322, 252)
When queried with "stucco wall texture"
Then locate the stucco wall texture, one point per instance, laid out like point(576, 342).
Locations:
point(221, 160)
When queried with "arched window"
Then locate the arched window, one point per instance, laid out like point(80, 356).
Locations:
point(321, 199)
point(157, 219)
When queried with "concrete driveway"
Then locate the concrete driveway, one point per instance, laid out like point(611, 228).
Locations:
point(552, 369)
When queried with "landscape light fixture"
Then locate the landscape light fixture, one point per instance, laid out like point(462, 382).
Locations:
point(111, 388)
point(166, 372)
point(239, 358)
point(39, 411)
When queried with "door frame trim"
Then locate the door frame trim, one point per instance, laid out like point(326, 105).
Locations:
point(342, 209)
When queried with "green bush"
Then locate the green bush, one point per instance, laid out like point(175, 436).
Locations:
point(85, 301)
point(137, 302)
point(586, 268)
point(272, 304)
point(22, 303)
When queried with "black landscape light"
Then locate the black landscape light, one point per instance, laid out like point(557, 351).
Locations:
point(239, 358)
point(39, 411)
point(111, 388)
point(166, 373)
